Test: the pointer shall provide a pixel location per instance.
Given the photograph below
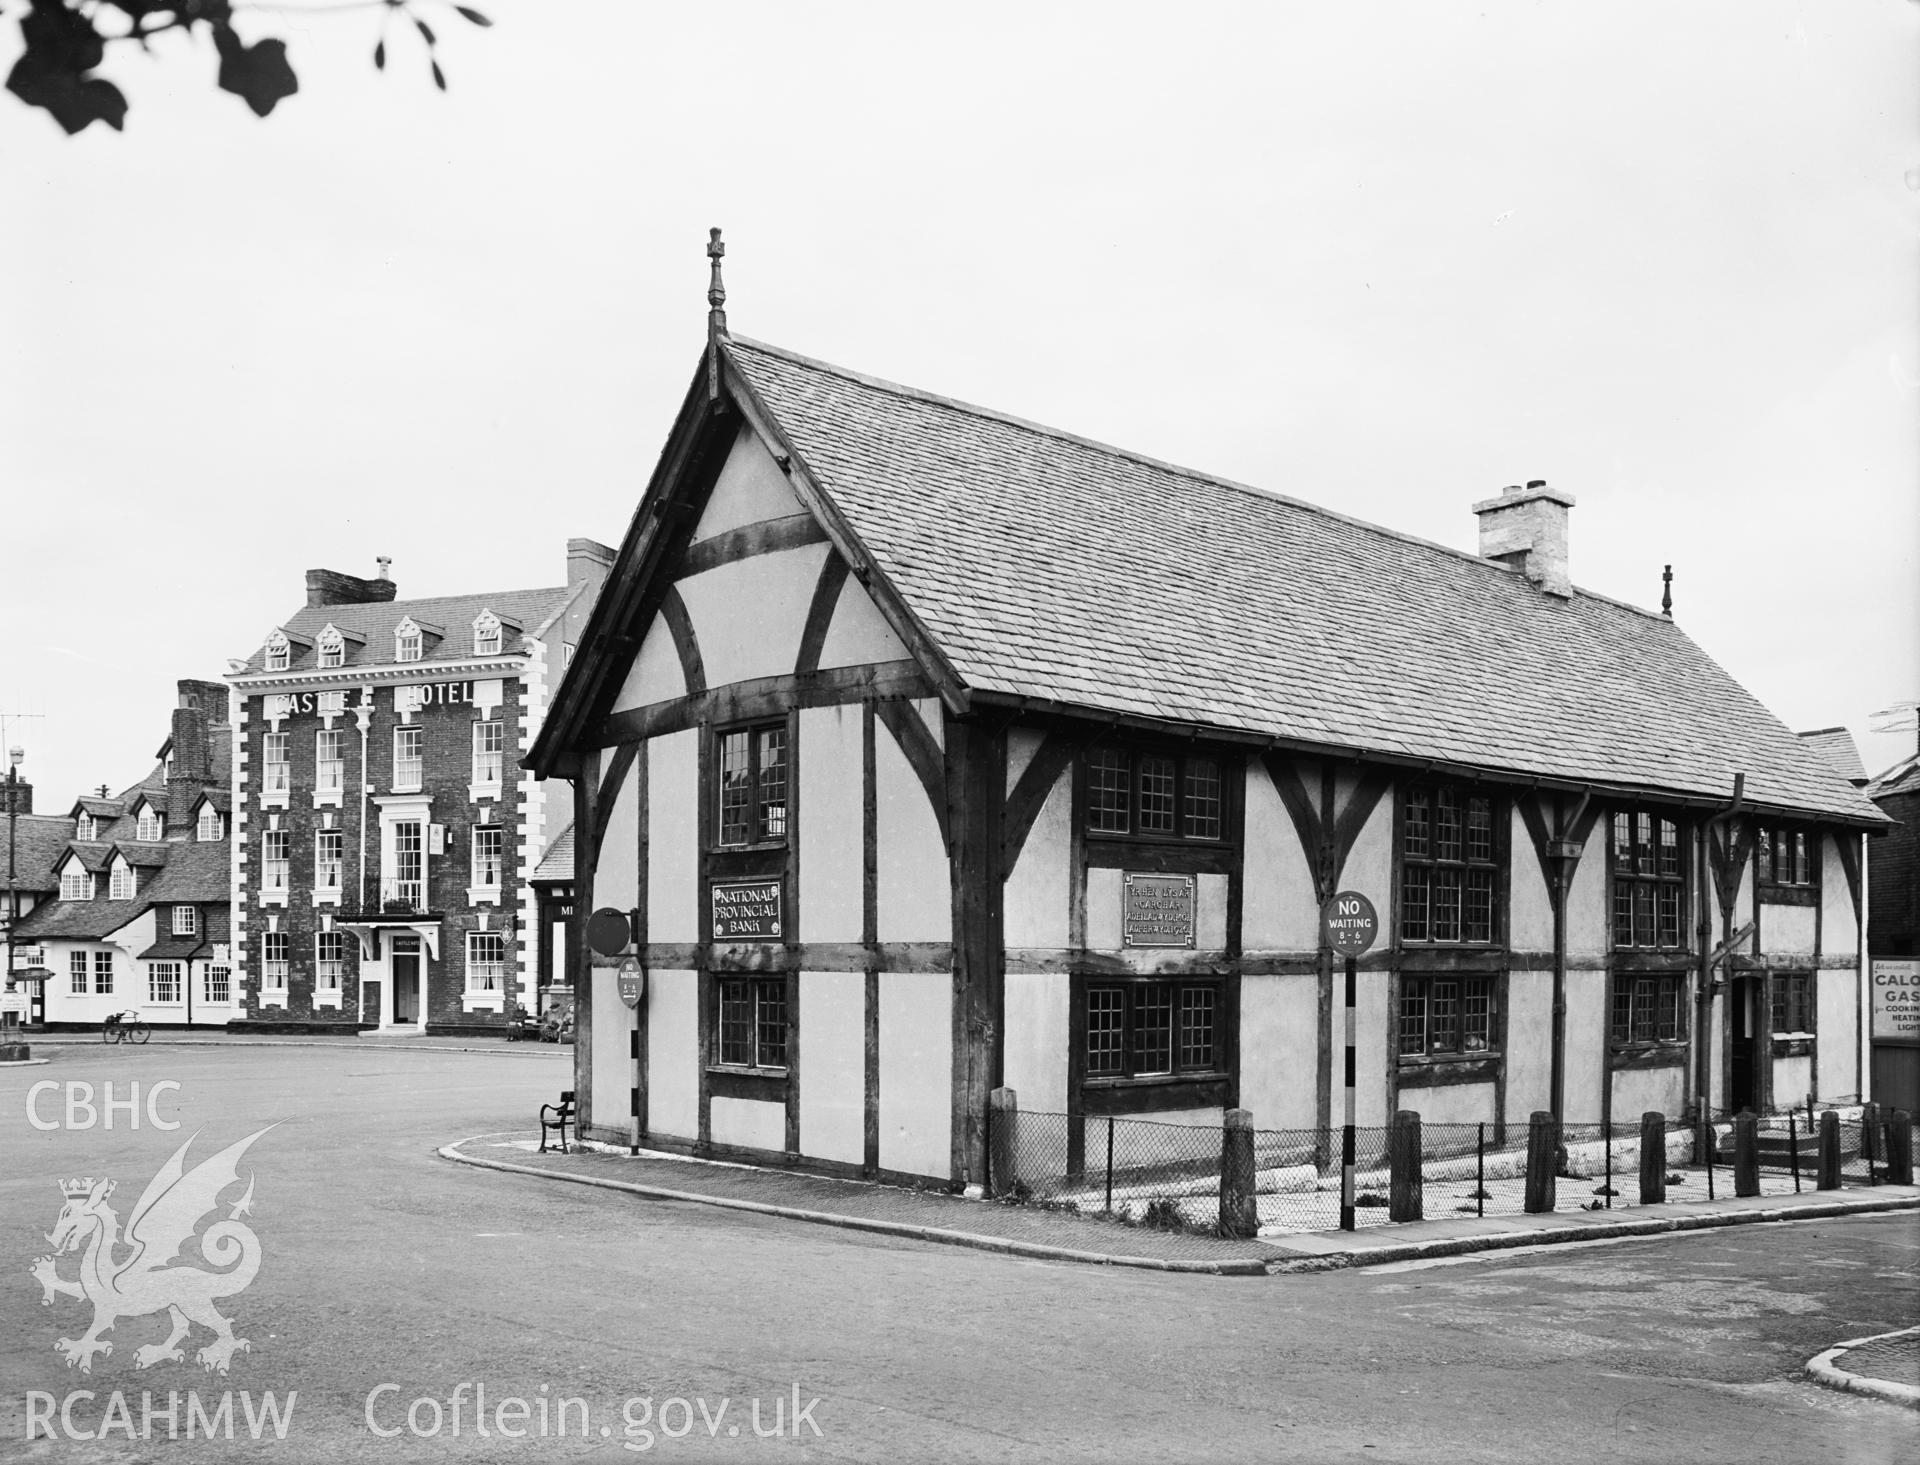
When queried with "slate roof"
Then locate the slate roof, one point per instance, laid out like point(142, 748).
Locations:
point(1046, 566)
point(194, 873)
point(556, 865)
point(143, 856)
point(102, 808)
point(80, 920)
point(173, 948)
point(1836, 745)
point(39, 840)
point(454, 613)
point(93, 855)
point(1902, 778)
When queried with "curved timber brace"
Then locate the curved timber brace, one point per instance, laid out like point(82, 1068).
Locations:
point(1559, 852)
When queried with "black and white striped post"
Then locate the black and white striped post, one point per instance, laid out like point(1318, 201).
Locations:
point(633, 990)
point(1350, 926)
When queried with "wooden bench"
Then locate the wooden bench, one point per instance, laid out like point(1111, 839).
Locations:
point(555, 1118)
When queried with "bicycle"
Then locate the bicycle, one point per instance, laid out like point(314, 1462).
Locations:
point(124, 1027)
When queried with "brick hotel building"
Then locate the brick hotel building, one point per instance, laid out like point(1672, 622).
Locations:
point(385, 837)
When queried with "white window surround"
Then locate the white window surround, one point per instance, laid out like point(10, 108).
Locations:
point(186, 921)
point(85, 829)
point(486, 961)
point(279, 651)
point(165, 977)
point(146, 825)
point(120, 881)
point(329, 767)
point(76, 882)
point(275, 868)
point(489, 758)
point(409, 641)
point(207, 828)
point(216, 984)
point(488, 636)
point(409, 766)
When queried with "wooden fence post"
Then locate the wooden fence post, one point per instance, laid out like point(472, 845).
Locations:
point(1003, 1114)
point(1900, 1148)
point(1746, 1153)
point(1653, 1158)
point(1406, 1199)
point(1543, 1152)
point(1239, 1210)
point(1829, 1152)
point(1870, 1131)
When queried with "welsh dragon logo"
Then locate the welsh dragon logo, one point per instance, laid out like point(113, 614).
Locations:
point(133, 1274)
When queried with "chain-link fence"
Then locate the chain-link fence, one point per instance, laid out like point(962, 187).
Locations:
point(1164, 1174)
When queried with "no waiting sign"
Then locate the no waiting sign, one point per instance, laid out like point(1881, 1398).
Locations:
point(1348, 923)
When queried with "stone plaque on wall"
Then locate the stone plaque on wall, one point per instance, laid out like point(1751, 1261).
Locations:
point(1156, 910)
point(746, 910)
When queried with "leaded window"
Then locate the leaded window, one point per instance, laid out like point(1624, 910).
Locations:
point(1146, 1029)
point(1155, 794)
point(1446, 1015)
point(1649, 882)
point(753, 785)
point(1649, 1009)
point(753, 1022)
point(1787, 857)
point(1451, 857)
point(1793, 997)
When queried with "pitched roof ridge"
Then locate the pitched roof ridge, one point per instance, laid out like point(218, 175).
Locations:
point(387, 605)
point(1058, 434)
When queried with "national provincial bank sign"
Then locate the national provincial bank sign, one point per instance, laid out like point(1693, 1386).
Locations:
point(746, 910)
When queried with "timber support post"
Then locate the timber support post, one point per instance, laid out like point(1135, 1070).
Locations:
point(1900, 1148)
point(1003, 1114)
point(1746, 1153)
point(1239, 1209)
point(1406, 1200)
point(1653, 1158)
point(1543, 1154)
point(1829, 1152)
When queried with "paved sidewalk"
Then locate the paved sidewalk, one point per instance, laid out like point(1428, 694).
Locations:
point(1886, 1366)
point(1029, 1230)
point(213, 1038)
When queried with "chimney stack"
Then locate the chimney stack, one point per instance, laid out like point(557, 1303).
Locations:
point(588, 563)
point(330, 587)
point(1527, 529)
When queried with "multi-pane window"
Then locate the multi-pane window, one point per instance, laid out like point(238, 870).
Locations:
point(1450, 866)
point(207, 828)
point(1154, 794)
point(273, 961)
point(329, 760)
point(77, 972)
point(753, 785)
point(489, 739)
point(486, 961)
point(407, 643)
point(84, 828)
point(279, 652)
point(163, 981)
point(409, 862)
point(329, 960)
point(76, 882)
point(275, 846)
point(486, 636)
point(333, 651)
point(1649, 1009)
point(329, 859)
point(219, 984)
point(276, 766)
point(102, 971)
point(488, 841)
point(147, 825)
point(1445, 1014)
point(1143, 1029)
point(1786, 857)
point(409, 744)
point(1649, 883)
point(120, 882)
point(1792, 1002)
point(753, 1022)
point(186, 920)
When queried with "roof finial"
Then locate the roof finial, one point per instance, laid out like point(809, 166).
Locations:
point(1666, 592)
point(716, 314)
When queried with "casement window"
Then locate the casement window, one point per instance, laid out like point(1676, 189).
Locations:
point(275, 846)
point(102, 971)
point(77, 973)
point(218, 986)
point(1649, 883)
point(409, 863)
point(279, 652)
point(329, 960)
point(486, 961)
point(488, 842)
point(147, 826)
point(85, 829)
point(76, 882)
point(186, 920)
point(1451, 857)
point(273, 961)
point(1154, 795)
point(408, 643)
point(486, 634)
point(333, 648)
point(753, 1022)
point(1148, 1029)
point(329, 760)
point(489, 742)
point(1649, 1009)
point(1443, 1016)
point(208, 828)
point(329, 858)
point(120, 881)
point(1787, 857)
point(276, 766)
point(409, 744)
point(163, 981)
point(1793, 998)
point(753, 785)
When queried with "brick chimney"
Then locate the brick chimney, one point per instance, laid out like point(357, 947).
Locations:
point(1527, 529)
point(330, 587)
point(588, 563)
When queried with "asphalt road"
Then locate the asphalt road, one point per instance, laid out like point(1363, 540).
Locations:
point(388, 1272)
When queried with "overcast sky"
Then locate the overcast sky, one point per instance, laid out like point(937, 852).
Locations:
point(1386, 258)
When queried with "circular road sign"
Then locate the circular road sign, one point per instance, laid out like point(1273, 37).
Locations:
point(1349, 924)
point(633, 981)
point(607, 931)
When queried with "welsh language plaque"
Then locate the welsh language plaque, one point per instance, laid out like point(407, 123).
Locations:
point(1156, 910)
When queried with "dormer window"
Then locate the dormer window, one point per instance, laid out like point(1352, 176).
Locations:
point(486, 634)
point(84, 828)
point(207, 828)
point(279, 651)
point(147, 825)
point(120, 885)
point(76, 882)
point(408, 642)
point(333, 648)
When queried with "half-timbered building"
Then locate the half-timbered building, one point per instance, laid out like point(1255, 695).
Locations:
point(923, 750)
